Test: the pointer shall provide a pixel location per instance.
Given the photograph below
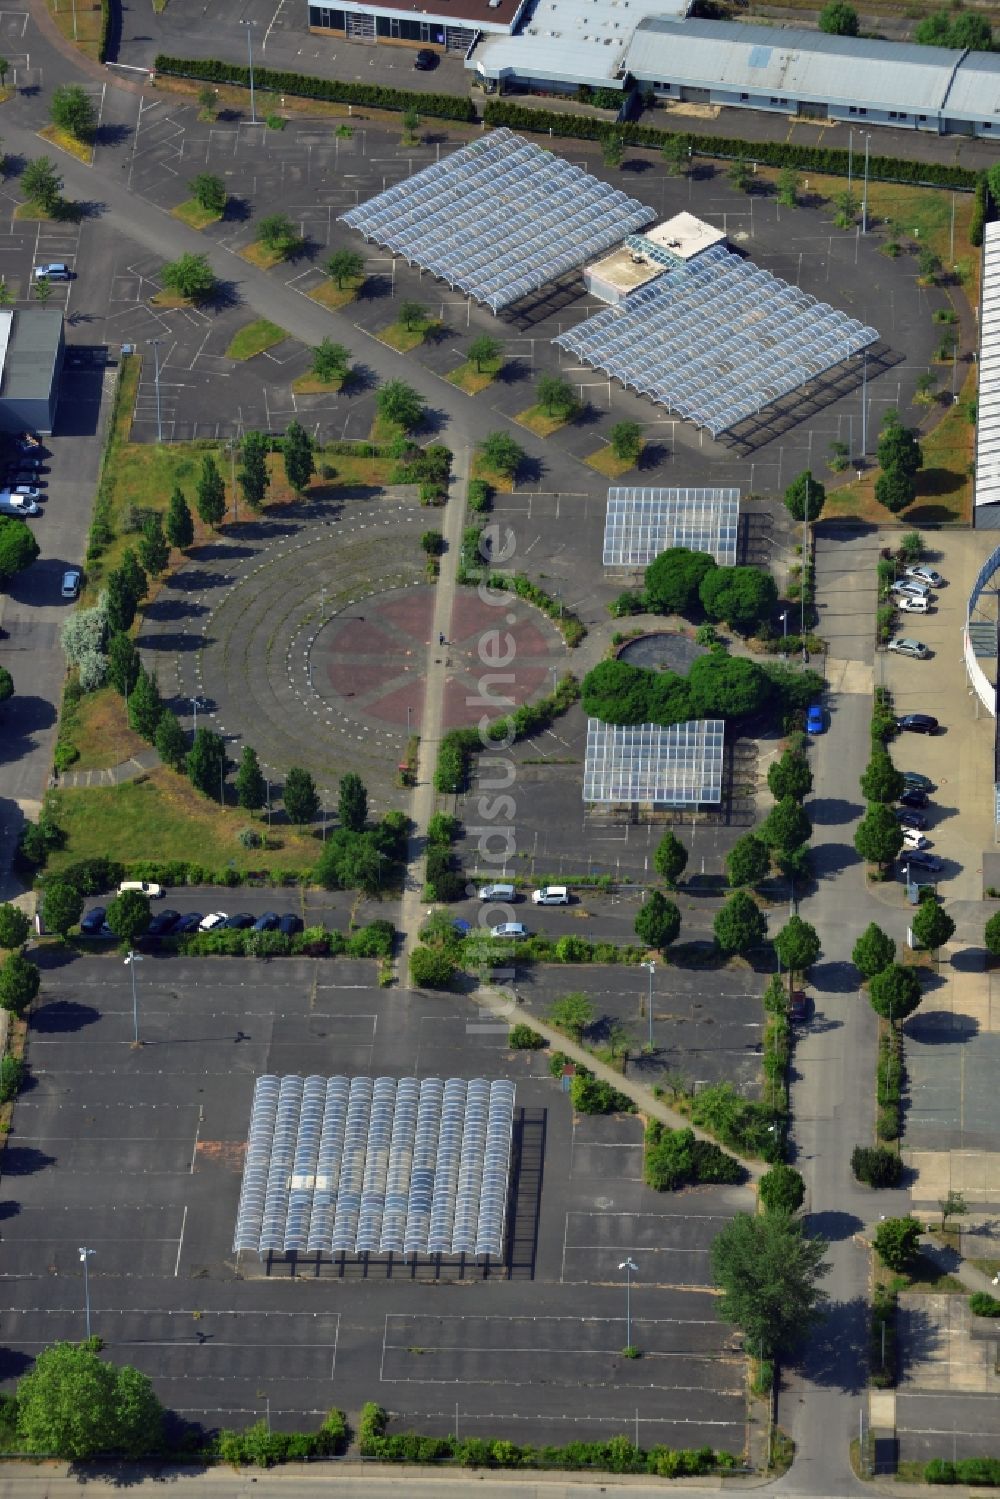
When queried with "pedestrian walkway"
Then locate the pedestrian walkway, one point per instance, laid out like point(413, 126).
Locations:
point(129, 770)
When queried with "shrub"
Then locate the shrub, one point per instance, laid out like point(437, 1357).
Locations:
point(371, 1426)
point(591, 1095)
point(981, 1303)
point(431, 968)
point(12, 1078)
point(523, 1038)
point(876, 1166)
point(93, 876)
point(782, 1189)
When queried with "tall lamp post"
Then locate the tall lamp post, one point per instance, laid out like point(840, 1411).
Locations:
point(253, 110)
point(84, 1257)
point(864, 199)
point(784, 632)
point(131, 959)
point(156, 356)
point(651, 968)
point(628, 1266)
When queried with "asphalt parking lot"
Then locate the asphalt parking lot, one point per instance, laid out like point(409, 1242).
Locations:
point(933, 1423)
point(335, 909)
point(137, 1154)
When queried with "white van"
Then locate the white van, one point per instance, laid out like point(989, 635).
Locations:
point(498, 892)
point(551, 895)
point(18, 504)
point(142, 887)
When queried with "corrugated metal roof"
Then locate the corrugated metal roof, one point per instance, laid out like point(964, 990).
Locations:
point(31, 354)
point(545, 58)
point(792, 64)
point(975, 92)
point(988, 419)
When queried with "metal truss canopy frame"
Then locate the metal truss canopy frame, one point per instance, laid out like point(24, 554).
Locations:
point(499, 218)
point(642, 523)
point(679, 765)
point(717, 340)
point(359, 1165)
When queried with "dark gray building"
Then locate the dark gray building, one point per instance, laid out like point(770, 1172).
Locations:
point(31, 357)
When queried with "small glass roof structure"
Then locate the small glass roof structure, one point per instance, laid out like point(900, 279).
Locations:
point(642, 523)
point(376, 1166)
point(717, 339)
point(499, 218)
point(678, 766)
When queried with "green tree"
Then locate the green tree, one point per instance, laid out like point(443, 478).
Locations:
point(211, 493)
point(179, 525)
point(42, 184)
point(4, 70)
point(145, 706)
point(740, 925)
point(351, 861)
point(154, 549)
point(782, 1189)
point(299, 796)
point(171, 743)
point(431, 968)
point(626, 441)
point(805, 497)
point(670, 859)
point(741, 596)
point(14, 926)
point(788, 190)
point(190, 276)
point(898, 446)
point(739, 175)
point(873, 951)
point(572, 1014)
point(878, 837)
point(675, 153)
point(952, 1206)
point(797, 946)
point(410, 313)
point(62, 906)
point(352, 803)
point(400, 404)
point(991, 935)
point(18, 547)
point(253, 476)
point(344, 265)
point(277, 233)
point(297, 451)
point(931, 925)
point(768, 1272)
point(128, 915)
point(612, 149)
point(658, 921)
point(971, 31)
point(748, 861)
point(72, 110)
point(897, 1242)
point(411, 124)
point(74, 1406)
point(501, 453)
point(206, 763)
point(786, 826)
point(134, 574)
point(556, 396)
point(839, 19)
point(209, 192)
point(6, 685)
point(790, 776)
point(895, 489)
point(208, 100)
point(330, 361)
point(251, 788)
point(19, 982)
point(484, 350)
point(674, 578)
point(895, 992)
point(881, 781)
point(43, 290)
point(120, 601)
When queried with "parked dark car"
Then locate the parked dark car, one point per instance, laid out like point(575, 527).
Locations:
point(911, 797)
point(922, 861)
point(239, 922)
point(917, 782)
point(162, 923)
point(267, 922)
point(908, 819)
point(798, 1006)
point(917, 723)
point(290, 924)
point(425, 61)
point(91, 924)
point(189, 922)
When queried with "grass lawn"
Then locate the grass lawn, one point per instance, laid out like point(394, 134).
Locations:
point(606, 463)
point(68, 143)
point(79, 25)
point(36, 211)
point(471, 379)
point(496, 480)
point(162, 816)
point(925, 1276)
point(329, 294)
point(311, 385)
point(403, 339)
point(196, 217)
point(539, 421)
point(254, 338)
point(101, 732)
point(170, 299)
point(259, 255)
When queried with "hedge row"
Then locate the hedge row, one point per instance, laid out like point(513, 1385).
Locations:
point(260, 1447)
point(769, 153)
point(977, 1470)
point(619, 1455)
point(373, 941)
point(333, 90)
point(102, 48)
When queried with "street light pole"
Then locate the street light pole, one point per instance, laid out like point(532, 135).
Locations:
point(651, 966)
point(131, 959)
point(784, 632)
point(85, 1256)
point(864, 200)
point(156, 356)
point(628, 1267)
point(850, 157)
point(253, 111)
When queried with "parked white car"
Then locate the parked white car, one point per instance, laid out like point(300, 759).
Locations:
point(551, 895)
point(912, 606)
point(212, 920)
point(914, 840)
point(142, 887)
point(910, 588)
